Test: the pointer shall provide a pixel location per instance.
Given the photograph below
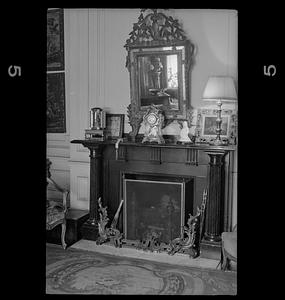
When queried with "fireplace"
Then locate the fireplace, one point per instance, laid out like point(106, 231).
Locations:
point(155, 204)
point(207, 167)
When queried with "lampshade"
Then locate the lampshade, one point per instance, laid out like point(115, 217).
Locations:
point(220, 88)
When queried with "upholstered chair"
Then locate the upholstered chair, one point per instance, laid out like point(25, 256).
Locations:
point(229, 248)
point(56, 210)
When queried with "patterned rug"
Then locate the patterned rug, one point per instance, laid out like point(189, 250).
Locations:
point(74, 271)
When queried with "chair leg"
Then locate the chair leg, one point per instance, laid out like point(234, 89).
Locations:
point(224, 260)
point(225, 264)
point(63, 229)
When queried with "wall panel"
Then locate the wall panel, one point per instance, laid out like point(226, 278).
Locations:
point(79, 185)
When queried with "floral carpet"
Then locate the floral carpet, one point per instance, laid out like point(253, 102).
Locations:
point(74, 271)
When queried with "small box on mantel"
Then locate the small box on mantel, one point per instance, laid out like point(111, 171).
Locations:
point(95, 134)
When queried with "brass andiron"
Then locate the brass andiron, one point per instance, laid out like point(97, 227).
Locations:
point(193, 232)
point(111, 233)
point(183, 244)
point(151, 242)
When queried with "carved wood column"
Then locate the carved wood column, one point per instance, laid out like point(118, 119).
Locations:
point(90, 227)
point(215, 204)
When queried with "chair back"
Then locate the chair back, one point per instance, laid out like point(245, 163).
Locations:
point(64, 193)
point(48, 163)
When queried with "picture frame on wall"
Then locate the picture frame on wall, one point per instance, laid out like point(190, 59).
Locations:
point(56, 119)
point(206, 125)
point(55, 40)
point(115, 126)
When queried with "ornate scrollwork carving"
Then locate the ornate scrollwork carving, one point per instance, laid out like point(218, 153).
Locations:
point(154, 26)
point(151, 242)
point(190, 239)
point(111, 233)
point(135, 119)
point(186, 243)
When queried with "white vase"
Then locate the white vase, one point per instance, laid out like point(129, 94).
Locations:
point(184, 133)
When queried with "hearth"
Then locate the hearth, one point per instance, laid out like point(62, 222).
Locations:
point(155, 207)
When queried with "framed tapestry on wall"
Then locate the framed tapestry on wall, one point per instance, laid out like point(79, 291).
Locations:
point(56, 120)
point(55, 41)
point(115, 125)
point(206, 125)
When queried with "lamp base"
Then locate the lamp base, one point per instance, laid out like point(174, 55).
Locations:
point(218, 142)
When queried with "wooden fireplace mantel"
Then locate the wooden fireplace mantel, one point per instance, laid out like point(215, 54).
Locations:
point(89, 143)
point(211, 166)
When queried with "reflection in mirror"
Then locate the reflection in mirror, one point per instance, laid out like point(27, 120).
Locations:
point(158, 80)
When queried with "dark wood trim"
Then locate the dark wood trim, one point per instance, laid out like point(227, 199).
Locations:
point(215, 205)
point(90, 227)
point(89, 143)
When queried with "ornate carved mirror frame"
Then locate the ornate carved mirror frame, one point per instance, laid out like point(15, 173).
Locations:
point(158, 35)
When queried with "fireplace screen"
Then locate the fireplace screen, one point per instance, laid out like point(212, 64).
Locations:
point(156, 204)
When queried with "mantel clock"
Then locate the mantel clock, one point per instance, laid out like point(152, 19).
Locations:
point(153, 122)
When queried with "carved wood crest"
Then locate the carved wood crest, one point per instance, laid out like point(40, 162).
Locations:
point(153, 28)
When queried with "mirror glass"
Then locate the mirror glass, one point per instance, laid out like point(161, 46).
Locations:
point(158, 80)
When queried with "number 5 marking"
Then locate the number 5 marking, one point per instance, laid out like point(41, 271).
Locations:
point(17, 71)
point(267, 71)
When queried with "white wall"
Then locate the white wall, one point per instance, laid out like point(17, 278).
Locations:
point(96, 75)
point(214, 33)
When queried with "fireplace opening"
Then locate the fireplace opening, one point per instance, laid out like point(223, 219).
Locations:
point(156, 205)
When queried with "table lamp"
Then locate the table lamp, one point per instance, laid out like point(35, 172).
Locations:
point(219, 89)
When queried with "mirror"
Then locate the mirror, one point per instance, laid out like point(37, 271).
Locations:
point(159, 79)
point(159, 61)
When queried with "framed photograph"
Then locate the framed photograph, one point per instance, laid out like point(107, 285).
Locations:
point(55, 41)
point(56, 120)
point(115, 125)
point(206, 125)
